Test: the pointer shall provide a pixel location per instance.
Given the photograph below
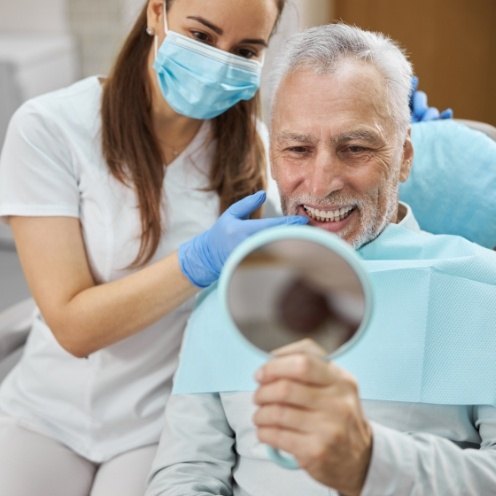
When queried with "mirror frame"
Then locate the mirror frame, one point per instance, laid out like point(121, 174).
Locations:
point(306, 233)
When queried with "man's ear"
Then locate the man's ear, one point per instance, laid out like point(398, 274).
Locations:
point(407, 157)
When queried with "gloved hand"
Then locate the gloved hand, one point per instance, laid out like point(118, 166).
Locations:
point(201, 259)
point(420, 109)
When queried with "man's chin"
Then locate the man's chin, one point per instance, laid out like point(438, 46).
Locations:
point(356, 237)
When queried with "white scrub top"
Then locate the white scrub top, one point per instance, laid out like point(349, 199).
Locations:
point(52, 165)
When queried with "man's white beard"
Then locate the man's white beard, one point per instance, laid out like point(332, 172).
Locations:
point(371, 227)
point(375, 227)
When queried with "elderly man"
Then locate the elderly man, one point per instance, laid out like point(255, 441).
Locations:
point(340, 146)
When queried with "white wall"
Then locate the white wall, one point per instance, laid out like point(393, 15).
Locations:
point(37, 52)
point(130, 12)
point(96, 25)
point(314, 12)
point(33, 16)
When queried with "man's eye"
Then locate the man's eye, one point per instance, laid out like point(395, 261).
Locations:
point(356, 149)
point(297, 150)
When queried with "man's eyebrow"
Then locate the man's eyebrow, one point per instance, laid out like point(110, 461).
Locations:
point(289, 136)
point(358, 134)
point(220, 31)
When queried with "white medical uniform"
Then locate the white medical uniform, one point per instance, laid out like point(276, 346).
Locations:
point(52, 165)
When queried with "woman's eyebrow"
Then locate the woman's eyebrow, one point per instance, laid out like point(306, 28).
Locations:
point(220, 31)
point(208, 24)
point(253, 41)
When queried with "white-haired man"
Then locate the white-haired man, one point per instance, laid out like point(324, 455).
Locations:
point(340, 146)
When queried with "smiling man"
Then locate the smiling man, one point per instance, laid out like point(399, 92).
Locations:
point(340, 146)
point(338, 152)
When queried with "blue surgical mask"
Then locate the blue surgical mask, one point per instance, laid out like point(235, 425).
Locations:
point(200, 81)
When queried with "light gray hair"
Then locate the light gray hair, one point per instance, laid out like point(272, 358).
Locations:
point(323, 48)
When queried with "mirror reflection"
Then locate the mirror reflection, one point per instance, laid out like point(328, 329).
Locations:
point(293, 289)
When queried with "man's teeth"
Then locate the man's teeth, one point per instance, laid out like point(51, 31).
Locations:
point(328, 215)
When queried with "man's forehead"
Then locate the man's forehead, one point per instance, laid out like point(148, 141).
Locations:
point(348, 103)
point(348, 75)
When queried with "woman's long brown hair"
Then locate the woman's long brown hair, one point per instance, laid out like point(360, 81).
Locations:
point(132, 151)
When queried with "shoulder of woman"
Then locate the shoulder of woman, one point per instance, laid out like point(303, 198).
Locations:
point(74, 103)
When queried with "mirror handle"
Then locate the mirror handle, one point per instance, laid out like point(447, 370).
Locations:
point(284, 460)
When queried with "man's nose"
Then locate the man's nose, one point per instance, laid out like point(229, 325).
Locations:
point(326, 175)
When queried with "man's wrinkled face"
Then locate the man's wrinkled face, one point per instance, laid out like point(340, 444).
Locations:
point(336, 154)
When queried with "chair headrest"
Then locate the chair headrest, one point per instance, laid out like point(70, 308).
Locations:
point(452, 185)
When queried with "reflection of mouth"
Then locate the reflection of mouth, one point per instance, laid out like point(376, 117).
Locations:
point(336, 215)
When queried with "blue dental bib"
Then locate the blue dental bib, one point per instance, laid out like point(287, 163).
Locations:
point(431, 339)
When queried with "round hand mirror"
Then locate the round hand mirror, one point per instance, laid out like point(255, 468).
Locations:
point(286, 284)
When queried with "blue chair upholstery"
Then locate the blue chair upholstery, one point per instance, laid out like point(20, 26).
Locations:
point(452, 185)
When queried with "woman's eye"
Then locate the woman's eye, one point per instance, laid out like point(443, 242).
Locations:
point(246, 53)
point(202, 37)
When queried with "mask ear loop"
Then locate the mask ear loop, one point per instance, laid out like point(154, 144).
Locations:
point(166, 27)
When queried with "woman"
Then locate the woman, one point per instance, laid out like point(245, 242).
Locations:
point(107, 185)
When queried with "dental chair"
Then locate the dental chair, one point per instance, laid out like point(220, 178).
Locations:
point(451, 189)
point(452, 186)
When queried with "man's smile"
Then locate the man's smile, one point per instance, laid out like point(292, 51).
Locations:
point(331, 219)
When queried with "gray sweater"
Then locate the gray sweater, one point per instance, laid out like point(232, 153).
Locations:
point(209, 446)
